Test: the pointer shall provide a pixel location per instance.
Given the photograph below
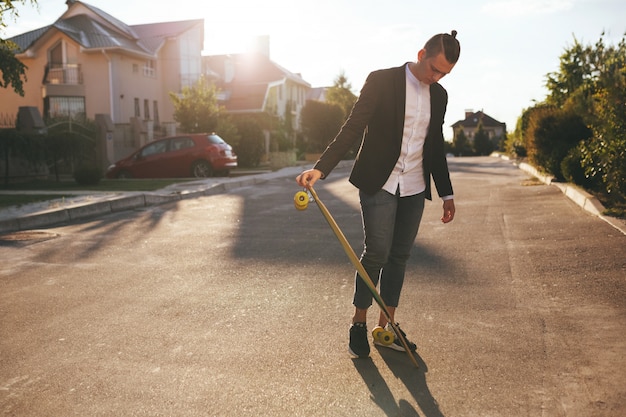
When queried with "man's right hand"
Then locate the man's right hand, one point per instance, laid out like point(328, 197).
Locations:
point(309, 177)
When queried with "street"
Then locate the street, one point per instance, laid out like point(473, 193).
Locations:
point(237, 304)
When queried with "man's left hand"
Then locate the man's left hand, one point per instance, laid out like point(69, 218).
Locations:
point(448, 211)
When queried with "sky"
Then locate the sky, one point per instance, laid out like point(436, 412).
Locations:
point(507, 46)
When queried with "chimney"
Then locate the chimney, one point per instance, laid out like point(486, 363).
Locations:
point(29, 121)
point(261, 45)
point(468, 112)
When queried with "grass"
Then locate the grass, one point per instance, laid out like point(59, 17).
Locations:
point(614, 207)
point(46, 186)
point(20, 200)
point(104, 185)
point(619, 212)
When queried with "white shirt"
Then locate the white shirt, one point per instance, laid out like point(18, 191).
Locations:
point(408, 174)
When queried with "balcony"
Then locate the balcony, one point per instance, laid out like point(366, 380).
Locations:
point(63, 80)
point(63, 74)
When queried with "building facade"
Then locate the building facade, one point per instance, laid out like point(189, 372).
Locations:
point(88, 63)
point(493, 128)
point(250, 83)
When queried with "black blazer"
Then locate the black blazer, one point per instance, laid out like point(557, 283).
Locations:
point(378, 119)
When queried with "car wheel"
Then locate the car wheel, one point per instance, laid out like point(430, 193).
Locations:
point(201, 169)
point(124, 175)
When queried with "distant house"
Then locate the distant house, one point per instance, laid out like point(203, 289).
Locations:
point(251, 83)
point(88, 62)
point(469, 125)
point(318, 94)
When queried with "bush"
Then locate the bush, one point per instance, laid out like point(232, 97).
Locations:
point(279, 142)
point(250, 143)
point(320, 123)
point(87, 175)
point(515, 148)
point(552, 133)
point(574, 172)
point(250, 151)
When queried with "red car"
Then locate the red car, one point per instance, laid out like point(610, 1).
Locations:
point(194, 155)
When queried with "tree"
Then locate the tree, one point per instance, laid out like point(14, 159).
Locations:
point(196, 109)
point(13, 70)
point(574, 70)
point(591, 83)
point(482, 143)
point(341, 94)
point(604, 156)
point(461, 144)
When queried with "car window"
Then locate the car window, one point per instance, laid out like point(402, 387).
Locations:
point(154, 148)
point(182, 143)
point(215, 139)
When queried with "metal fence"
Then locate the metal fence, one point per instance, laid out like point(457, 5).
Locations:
point(7, 121)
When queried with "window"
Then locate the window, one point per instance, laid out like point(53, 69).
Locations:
point(155, 148)
point(190, 63)
point(137, 109)
point(63, 66)
point(135, 69)
point(55, 58)
point(182, 143)
point(146, 109)
point(155, 112)
point(73, 107)
point(149, 69)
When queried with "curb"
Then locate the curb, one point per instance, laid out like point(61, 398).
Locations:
point(132, 201)
point(116, 204)
point(582, 198)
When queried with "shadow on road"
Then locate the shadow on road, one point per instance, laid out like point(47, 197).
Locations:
point(413, 379)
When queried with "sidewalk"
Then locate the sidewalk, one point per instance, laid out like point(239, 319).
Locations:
point(585, 200)
point(90, 204)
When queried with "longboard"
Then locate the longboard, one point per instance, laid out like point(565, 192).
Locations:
point(301, 201)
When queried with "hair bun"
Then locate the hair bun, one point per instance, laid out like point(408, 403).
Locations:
point(453, 33)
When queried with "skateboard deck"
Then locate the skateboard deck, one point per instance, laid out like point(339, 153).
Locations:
point(301, 201)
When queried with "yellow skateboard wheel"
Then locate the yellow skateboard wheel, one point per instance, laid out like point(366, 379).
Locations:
point(384, 337)
point(301, 200)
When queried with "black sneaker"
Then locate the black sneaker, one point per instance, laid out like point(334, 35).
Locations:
point(359, 346)
point(397, 345)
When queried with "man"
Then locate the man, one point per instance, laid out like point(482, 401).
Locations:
point(399, 117)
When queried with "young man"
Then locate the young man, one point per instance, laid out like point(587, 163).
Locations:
point(399, 117)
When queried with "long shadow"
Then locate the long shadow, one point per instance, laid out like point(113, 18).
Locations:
point(414, 379)
point(109, 227)
point(380, 392)
point(478, 165)
point(271, 229)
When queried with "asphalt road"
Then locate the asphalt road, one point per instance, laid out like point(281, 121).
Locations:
point(238, 305)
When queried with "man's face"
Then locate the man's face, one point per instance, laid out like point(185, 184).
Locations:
point(429, 70)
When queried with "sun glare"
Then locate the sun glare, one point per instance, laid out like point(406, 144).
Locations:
point(241, 23)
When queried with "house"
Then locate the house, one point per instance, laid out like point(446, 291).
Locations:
point(318, 94)
point(251, 83)
point(469, 125)
point(89, 63)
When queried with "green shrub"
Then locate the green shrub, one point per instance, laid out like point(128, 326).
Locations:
point(250, 144)
point(250, 151)
point(552, 133)
point(87, 175)
point(574, 172)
